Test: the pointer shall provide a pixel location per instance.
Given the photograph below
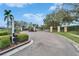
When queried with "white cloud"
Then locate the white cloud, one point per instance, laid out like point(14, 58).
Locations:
point(35, 18)
point(17, 4)
point(52, 8)
point(55, 5)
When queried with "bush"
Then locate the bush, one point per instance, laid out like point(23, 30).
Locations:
point(4, 33)
point(22, 37)
point(17, 30)
point(4, 41)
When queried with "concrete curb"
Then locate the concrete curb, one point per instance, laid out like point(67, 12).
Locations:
point(15, 49)
point(76, 45)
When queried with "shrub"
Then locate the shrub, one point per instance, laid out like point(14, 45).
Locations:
point(22, 37)
point(4, 33)
point(4, 41)
point(17, 30)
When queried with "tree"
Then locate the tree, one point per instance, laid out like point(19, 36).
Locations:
point(17, 24)
point(10, 21)
point(50, 21)
point(71, 14)
point(23, 24)
point(75, 10)
point(42, 27)
point(35, 25)
point(8, 17)
point(60, 17)
point(20, 24)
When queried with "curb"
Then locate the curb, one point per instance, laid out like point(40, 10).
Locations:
point(16, 48)
point(74, 44)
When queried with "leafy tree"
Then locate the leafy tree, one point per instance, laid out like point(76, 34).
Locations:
point(50, 21)
point(20, 24)
point(59, 18)
point(35, 25)
point(64, 17)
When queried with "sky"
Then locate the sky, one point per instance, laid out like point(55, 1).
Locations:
point(28, 12)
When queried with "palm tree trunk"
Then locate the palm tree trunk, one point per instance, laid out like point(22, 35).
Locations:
point(12, 31)
point(8, 26)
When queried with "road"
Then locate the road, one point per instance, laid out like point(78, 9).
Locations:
point(48, 44)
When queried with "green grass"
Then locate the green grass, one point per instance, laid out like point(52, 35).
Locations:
point(72, 37)
point(75, 32)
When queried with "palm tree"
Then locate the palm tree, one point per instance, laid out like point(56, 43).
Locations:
point(8, 17)
point(10, 21)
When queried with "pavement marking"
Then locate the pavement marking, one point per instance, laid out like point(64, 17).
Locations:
point(17, 49)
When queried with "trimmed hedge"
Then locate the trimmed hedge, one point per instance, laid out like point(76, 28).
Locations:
point(4, 33)
point(4, 41)
point(22, 37)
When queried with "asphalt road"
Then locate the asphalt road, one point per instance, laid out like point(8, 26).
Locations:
point(48, 44)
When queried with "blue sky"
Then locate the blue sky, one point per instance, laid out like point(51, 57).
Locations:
point(29, 12)
point(33, 12)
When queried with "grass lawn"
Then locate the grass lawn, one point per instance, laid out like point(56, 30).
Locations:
point(75, 32)
point(68, 35)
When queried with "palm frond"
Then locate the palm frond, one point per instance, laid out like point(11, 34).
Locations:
point(5, 18)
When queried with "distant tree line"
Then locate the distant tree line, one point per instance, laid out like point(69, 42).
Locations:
point(62, 16)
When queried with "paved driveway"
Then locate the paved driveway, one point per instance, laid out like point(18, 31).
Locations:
point(47, 44)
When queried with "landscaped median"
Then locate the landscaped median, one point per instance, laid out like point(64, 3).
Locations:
point(6, 45)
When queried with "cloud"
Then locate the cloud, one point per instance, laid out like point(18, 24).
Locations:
point(53, 7)
point(17, 4)
point(35, 18)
